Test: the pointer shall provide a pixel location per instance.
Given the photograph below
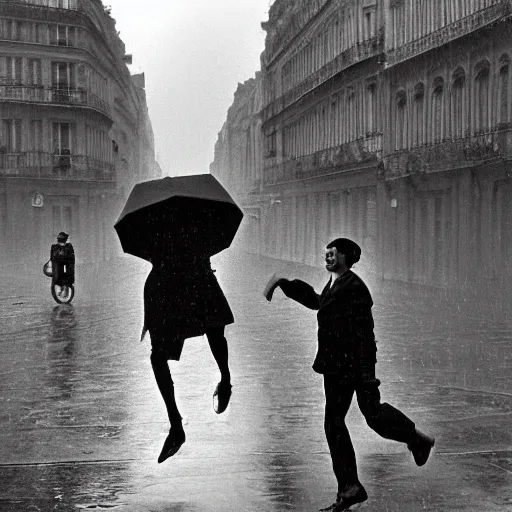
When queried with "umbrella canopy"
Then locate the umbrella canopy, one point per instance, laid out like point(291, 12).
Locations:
point(178, 215)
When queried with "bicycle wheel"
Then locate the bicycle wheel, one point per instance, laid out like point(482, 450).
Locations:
point(63, 300)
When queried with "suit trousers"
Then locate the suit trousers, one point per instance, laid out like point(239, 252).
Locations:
point(383, 418)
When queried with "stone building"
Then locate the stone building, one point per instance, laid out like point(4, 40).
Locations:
point(322, 132)
point(389, 121)
point(238, 161)
point(445, 190)
point(74, 128)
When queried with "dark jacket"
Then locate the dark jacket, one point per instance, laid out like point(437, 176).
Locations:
point(63, 264)
point(346, 342)
point(183, 299)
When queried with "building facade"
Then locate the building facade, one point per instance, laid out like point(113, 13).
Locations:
point(238, 161)
point(389, 121)
point(74, 128)
point(445, 190)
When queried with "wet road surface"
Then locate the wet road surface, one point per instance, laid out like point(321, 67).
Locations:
point(83, 423)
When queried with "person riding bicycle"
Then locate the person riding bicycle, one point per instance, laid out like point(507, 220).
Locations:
point(62, 256)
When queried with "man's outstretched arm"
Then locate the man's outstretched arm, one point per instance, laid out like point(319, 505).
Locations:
point(298, 290)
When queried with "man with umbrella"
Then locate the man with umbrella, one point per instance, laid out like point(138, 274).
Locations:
point(177, 224)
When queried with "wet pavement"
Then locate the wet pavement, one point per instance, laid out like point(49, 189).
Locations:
point(83, 423)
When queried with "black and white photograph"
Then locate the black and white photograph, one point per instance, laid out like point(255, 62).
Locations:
point(256, 255)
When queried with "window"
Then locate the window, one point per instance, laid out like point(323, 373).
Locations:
point(271, 145)
point(34, 72)
point(61, 138)
point(401, 120)
point(62, 35)
point(371, 109)
point(13, 70)
point(63, 75)
point(437, 110)
point(369, 23)
point(419, 115)
point(503, 93)
point(482, 100)
point(11, 137)
point(458, 103)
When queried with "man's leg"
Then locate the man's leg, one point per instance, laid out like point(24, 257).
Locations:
point(388, 421)
point(165, 384)
point(338, 396)
point(219, 347)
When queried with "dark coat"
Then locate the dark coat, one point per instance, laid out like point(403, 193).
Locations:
point(63, 264)
point(182, 299)
point(346, 342)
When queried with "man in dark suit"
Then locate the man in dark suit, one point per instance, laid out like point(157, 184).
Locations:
point(346, 357)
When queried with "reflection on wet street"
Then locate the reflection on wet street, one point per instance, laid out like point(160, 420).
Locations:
point(83, 423)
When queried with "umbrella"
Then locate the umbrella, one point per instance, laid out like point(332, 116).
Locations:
point(178, 214)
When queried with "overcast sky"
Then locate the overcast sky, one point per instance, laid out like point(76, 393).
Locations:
point(193, 53)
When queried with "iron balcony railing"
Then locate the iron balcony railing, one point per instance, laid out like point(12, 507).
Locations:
point(470, 151)
point(443, 35)
point(359, 52)
point(53, 95)
point(345, 157)
point(38, 164)
point(72, 5)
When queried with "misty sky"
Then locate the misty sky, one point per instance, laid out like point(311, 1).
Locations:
point(193, 54)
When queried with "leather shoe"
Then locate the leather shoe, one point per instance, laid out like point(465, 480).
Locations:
point(420, 446)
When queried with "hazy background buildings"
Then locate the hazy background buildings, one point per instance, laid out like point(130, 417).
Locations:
point(74, 129)
point(387, 122)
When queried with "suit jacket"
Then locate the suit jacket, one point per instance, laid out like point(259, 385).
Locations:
point(346, 342)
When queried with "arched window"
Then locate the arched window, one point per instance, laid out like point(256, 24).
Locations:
point(458, 100)
point(419, 115)
point(436, 124)
point(481, 95)
point(401, 120)
point(503, 85)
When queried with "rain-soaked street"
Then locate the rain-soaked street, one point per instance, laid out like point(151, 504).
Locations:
point(83, 423)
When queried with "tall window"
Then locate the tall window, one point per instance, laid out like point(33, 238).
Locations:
point(401, 120)
point(63, 75)
point(458, 103)
point(62, 35)
point(481, 92)
point(419, 115)
point(351, 114)
point(437, 110)
point(11, 137)
point(34, 72)
point(369, 23)
point(13, 68)
point(503, 93)
point(371, 109)
point(61, 138)
point(36, 135)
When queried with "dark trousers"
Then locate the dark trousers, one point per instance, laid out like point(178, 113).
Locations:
point(384, 419)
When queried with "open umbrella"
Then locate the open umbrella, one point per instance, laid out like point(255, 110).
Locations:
point(181, 213)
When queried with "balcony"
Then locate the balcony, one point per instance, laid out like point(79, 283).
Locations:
point(471, 151)
point(350, 156)
point(448, 33)
point(41, 165)
point(69, 5)
point(359, 52)
point(54, 96)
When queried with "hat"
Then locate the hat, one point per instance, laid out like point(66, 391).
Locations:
point(62, 236)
